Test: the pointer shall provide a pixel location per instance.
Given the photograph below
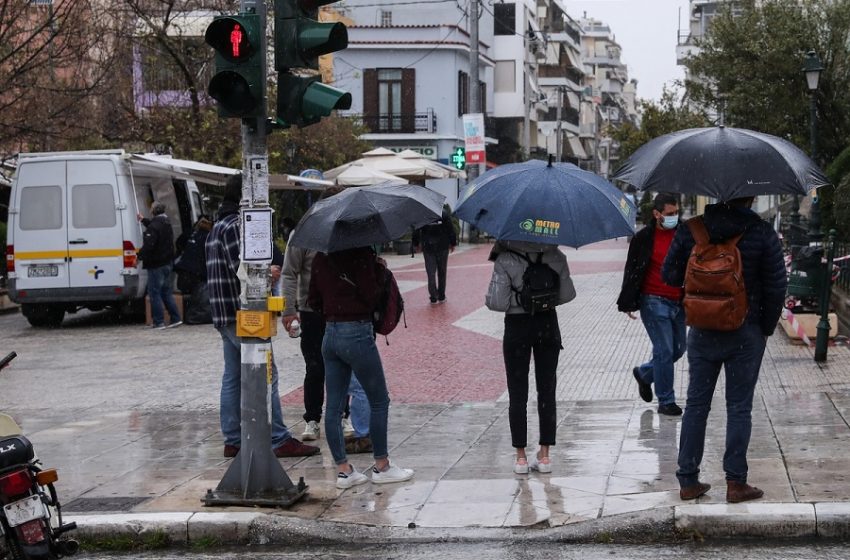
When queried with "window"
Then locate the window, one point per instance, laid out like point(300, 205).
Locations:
point(505, 75)
point(41, 208)
point(504, 19)
point(386, 18)
point(482, 96)
point(93, 206)
point(389, 99)
point(462, 93)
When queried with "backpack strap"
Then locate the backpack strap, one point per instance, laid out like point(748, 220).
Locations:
point(697, 227)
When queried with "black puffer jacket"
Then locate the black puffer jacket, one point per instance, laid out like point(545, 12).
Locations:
point(761, 255)
point(158, 246)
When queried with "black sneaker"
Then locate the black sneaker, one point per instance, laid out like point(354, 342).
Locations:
point(644, 388)
point(671, 409)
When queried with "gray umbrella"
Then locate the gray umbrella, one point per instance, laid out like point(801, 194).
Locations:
point(362, 216)
point(723, 163)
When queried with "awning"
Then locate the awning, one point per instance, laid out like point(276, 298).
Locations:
point(577, 148)
point(217, 174)
point(574, 62)
point(573, 99)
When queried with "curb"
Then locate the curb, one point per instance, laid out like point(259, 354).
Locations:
point(772, 520)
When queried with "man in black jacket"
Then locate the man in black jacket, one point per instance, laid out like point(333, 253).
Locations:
point(436, 240)
point(739, 352)
point(157, 256)
point(660, 305)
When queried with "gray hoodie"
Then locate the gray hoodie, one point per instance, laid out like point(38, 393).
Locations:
point(297, 266)
point(509, 268)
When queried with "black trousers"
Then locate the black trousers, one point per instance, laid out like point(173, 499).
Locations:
point(436, 263)
point(312, 333)
point(540, 336)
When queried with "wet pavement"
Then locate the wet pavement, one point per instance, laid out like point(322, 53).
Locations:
point(129, 416)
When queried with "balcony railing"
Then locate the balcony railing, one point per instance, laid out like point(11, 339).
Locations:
point(402, 122)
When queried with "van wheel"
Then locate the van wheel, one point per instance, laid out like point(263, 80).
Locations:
point(132, 310)
point(43, 315)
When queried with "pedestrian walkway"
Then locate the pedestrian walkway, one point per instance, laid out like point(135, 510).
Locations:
point(448, 419)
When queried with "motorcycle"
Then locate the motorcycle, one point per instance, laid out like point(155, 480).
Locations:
point(30, 513)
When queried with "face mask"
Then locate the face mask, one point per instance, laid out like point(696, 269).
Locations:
point(669, 222)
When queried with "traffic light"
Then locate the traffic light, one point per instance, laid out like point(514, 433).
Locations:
point(458, 158)
point(238, 84)
point(299, 41)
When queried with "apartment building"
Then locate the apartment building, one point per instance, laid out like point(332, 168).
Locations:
point(407, 69)
point(560, 77)
point(610, 97)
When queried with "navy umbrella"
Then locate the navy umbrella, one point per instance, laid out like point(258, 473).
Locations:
point(723, 163)
point(363, 216)
point(556, 204)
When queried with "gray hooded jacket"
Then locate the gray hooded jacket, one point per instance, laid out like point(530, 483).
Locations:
point(509, 268)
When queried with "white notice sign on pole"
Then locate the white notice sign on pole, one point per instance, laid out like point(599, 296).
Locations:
point(473, 135)
point(257, 235)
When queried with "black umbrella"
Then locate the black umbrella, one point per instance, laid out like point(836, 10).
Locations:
point(723, 163)
point(362, 216)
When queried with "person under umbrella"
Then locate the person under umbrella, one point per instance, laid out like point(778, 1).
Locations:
point(531, 328)
point(344, 287)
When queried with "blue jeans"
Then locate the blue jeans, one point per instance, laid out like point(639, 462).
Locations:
point(740, 353)
point(348, 348)
point(160, 291)
point(359, 409)
point(231, 393)
point(664, 321)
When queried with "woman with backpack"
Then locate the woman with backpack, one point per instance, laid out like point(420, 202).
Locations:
point(346, 286)
point(529, 280)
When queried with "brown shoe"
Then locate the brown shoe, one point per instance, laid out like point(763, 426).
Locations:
point(358, 445)
point(231, 450)
point(741, 492)
point(694, 491)
point(294, 448)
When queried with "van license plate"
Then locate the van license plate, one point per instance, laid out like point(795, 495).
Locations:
point(43, 270)
point(18, 513)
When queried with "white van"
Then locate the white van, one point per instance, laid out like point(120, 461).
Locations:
point(73, 233)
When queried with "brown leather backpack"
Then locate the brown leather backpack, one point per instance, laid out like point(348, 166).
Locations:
point(715, 295)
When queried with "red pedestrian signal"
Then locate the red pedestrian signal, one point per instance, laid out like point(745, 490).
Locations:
point(238, 84)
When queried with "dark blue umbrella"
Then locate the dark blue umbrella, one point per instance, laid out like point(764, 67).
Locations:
point(721, 162)
point(558, 204)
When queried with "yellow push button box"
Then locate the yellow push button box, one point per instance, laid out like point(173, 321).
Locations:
point(256, 324)
point(276, 303)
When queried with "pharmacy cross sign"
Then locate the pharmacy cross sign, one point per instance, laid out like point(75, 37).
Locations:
point(458, 159)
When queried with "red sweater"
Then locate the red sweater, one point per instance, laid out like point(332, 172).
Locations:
point(343, 285)
point(652, 282)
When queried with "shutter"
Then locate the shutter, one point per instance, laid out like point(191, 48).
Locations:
point(408, 100)
point(370, 99)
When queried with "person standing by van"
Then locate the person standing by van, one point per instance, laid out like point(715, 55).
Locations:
point(157, 256)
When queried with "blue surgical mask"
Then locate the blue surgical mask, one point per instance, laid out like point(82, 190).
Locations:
point(669, 222)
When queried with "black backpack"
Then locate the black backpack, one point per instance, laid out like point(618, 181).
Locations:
point(541, 286)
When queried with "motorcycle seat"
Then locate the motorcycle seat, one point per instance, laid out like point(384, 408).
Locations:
point(16, 450)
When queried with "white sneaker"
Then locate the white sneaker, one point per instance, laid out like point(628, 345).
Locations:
point(392, 474)
point(521, 468)
point(354, 478)
point(536, 464)
point(311, 431)
point(347, 427)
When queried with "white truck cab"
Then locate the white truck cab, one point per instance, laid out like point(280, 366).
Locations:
point(73, 235)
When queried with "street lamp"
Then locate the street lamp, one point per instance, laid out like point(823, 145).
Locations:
point(812, 68)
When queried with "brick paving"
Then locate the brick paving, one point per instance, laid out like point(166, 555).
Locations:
point(131, 415)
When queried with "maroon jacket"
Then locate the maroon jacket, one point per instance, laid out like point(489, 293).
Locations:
point(343, 285)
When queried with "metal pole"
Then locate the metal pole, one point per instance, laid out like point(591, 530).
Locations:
point(473, 170)
point(255, 477)
point(821, 343)
point(526, 118)
point(815, 233)
point(558, 140)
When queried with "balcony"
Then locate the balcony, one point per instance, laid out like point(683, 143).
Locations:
point(401, 123)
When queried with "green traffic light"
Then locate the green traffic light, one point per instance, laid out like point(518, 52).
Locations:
point(320, 99)
point(303, 101)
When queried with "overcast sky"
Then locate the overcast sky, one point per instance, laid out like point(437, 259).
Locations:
point(647, 31)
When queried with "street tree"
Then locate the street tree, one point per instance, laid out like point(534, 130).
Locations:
point(752, 60)
point(50, 70)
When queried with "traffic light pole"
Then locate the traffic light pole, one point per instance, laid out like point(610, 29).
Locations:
point(473, 170)
point(255, 477)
